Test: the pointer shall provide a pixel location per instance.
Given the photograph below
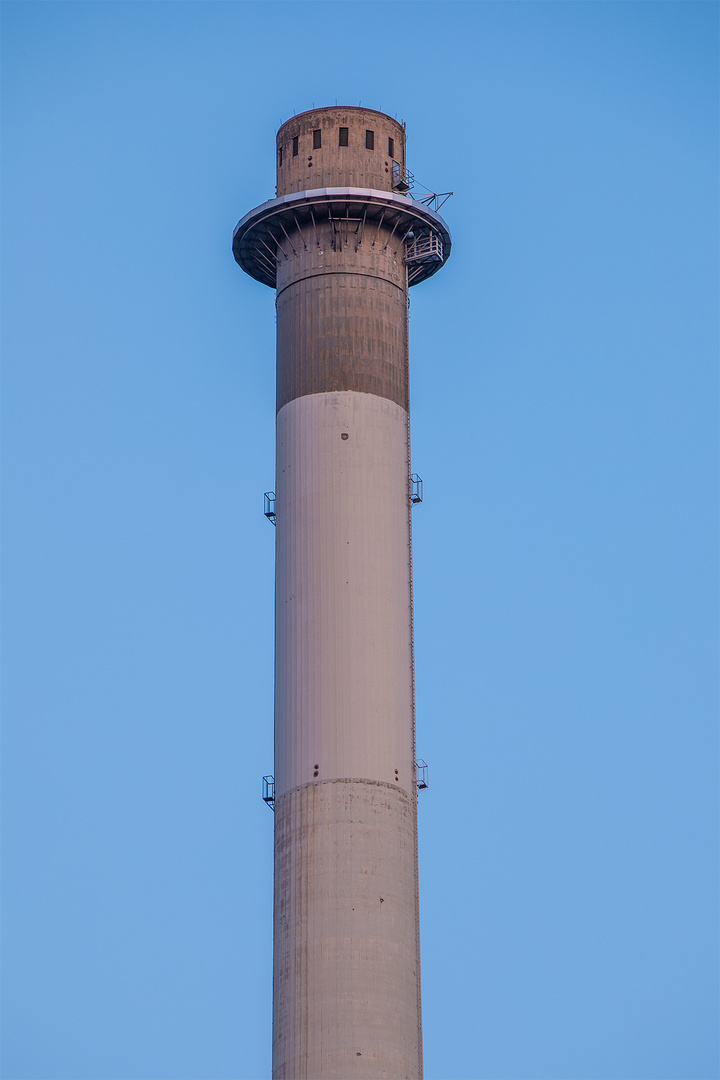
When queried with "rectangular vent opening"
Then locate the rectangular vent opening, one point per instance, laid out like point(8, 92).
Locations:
point(369, 140)
point(316, 139)
point(343, 136)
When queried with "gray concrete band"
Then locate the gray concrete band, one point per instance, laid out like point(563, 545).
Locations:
point(342, 309)
point(346, 873)
point(342, 332)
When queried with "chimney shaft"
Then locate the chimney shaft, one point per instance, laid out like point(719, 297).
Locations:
point(334, 243)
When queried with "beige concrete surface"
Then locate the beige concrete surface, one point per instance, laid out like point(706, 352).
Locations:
point(343, 663)
point(346, 969)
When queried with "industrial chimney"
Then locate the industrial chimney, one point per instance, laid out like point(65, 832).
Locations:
point(341, 243)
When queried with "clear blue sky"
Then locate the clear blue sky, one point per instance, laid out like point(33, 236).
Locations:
point(564, 407)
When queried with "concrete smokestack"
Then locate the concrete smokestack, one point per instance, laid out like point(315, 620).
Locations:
point(341, 243)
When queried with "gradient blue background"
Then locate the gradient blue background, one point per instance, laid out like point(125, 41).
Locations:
point(564, 411)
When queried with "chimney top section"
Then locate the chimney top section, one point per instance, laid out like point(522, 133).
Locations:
point(339, 146)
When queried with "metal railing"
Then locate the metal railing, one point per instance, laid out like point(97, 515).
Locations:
point(425, 248)
point(402, 178)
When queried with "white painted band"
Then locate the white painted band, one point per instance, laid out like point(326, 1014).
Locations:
point(343, 658)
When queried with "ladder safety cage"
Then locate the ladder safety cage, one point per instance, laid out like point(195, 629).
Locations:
point(416, 488)
point(421, 774)
point(268, 791)
point(270, 506)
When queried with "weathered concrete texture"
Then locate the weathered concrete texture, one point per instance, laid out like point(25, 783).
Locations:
point(343, 621)
point(343, 247)
point(341, 317)
point(333, 165)
point(346, 1000)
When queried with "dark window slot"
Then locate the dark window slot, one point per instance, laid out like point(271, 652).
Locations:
point(391, 147)
point(343, 137)
point(369, 140)
point(279, 157)
point(316, 139)
point(295, 146)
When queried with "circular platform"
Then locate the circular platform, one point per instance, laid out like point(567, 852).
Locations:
point(266, 231)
